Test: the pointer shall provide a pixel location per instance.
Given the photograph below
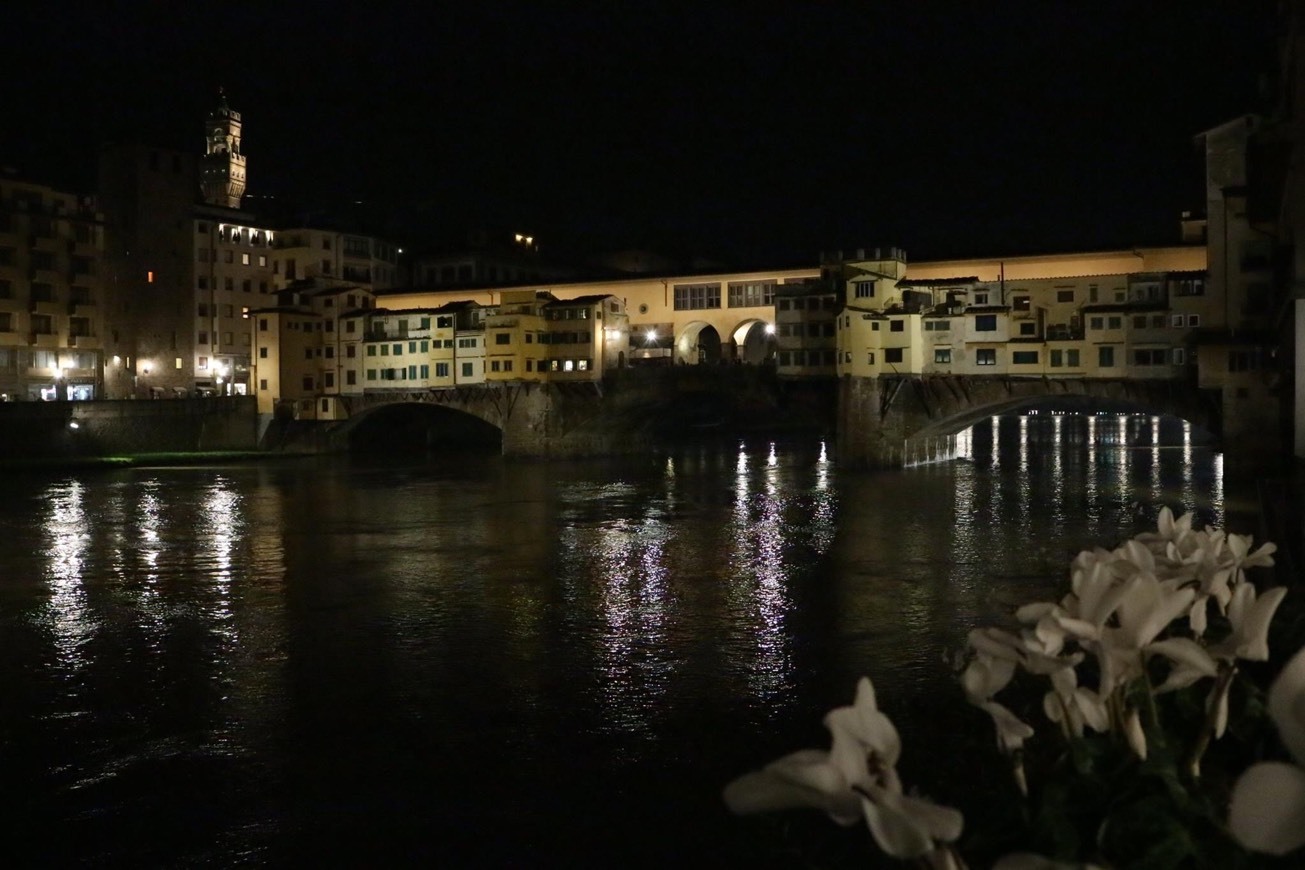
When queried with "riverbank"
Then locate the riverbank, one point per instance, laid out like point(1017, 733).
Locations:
point(138, 460)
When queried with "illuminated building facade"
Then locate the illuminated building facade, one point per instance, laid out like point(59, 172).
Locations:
point(51, 294)
point(188, 264)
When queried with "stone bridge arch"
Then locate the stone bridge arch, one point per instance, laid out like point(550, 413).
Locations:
point(698, 342)
point(884, 421)
point(536, 419)
point(754, 341)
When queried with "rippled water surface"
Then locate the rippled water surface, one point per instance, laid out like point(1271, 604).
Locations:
point(490, 663)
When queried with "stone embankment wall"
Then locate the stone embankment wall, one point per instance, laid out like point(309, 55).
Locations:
point(42, 430)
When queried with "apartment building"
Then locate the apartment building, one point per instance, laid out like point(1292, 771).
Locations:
point(51, 295)
point(188, 264)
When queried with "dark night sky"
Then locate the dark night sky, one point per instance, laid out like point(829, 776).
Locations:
point(760, 133)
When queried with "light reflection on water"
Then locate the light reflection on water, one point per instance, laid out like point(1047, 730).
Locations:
point(411, 648)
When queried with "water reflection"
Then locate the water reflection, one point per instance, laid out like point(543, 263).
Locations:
point(758, 574)
point(286, 652)
point(66, 536)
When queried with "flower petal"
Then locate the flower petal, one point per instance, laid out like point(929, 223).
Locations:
point(907, 827)
point(1287, 705)
point(1011, 732)
point(1268, 808)
point(802, 779)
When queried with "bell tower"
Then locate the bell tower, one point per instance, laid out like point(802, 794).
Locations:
point(222, 170)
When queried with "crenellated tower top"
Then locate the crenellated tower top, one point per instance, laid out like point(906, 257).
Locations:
point(222, 169)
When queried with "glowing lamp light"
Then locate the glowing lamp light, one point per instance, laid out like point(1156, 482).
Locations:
point(73, 424)
point(770, 329)
point(650, 336)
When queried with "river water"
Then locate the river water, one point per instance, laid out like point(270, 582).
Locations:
point(425, 661)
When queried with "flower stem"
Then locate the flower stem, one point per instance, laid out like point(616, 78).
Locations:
point(1226, 674)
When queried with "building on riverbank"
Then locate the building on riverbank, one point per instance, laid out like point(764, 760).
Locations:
point(188, 262)
point(52, 303)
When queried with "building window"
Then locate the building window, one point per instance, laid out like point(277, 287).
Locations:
point(1096, 323)
point(1243, 361)
point(244, 259)
point(1114, 322)
point(1149, 357)
point(695, 297)
point(1139, 321)
point(493, 365)
point(441, 370)
point(262, 353)
point(1057, 359)
point(466, 369)
point(869, 358)
point(1071, 359)
point(985, 323)
point(1024, 357)
point(351, 378)
point(748, 294)
point(1020, 303)
point(502, 338)
point(892, 354)
point(942, 355)
point(1177, 321)
point(1064, 295)
point(262, 384)
point(980, 298)
point(1106, 357)
point(985, 356)
point(896, 325)
point(203, 362)
point(1179, 356)
point(1028, 328)
point(1193, 320)
point(863, 289)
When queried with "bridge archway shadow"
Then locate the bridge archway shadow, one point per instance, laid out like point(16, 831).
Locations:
point(415, 426)
point(1204, 428)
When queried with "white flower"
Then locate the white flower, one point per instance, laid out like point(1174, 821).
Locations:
point(1242, 557)
point(1250, 615)
point(1073, 706)
point(1268, 802)
point(1011, 731)
point(856, 778)
point(908, 827)
point(1190, 662)
point(1168, 532)
point(805, 778)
